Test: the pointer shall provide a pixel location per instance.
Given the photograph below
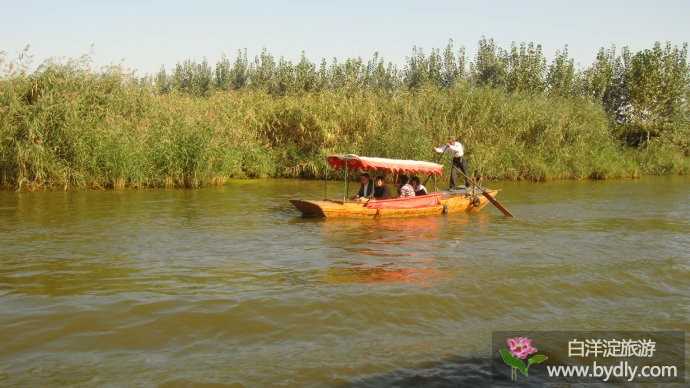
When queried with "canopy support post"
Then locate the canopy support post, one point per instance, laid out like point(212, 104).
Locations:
point(325, 184)
point(345, 192)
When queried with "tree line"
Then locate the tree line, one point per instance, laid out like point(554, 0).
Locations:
point(645, 93)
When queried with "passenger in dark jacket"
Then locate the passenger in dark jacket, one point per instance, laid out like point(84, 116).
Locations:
point(380, 189)
point(366, 189)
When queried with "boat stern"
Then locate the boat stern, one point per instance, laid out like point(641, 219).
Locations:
point(308, 208)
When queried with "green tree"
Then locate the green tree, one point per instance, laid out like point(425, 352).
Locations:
point(307, 78)
point(235, 76)
point(381, 77)
point(323, 74)
point(490, 67)
point(202, 79)
point(192, 78)
point(526, 68)
point(453, 68)
point(261, 73)
point(560, 79)
point(222, 74)
point(162, 82)
point(601, 81)
point(659, 82)
point(415, 73)
point(239, 74)
point(284, 78)
point(183, 76)
point(349, 76)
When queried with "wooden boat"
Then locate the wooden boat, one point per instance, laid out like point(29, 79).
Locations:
point(439, 202)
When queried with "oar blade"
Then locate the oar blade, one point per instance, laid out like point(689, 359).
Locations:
point(488, 196)
point(498, 205)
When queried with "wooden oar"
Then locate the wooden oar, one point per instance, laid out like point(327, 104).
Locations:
point(488, 196)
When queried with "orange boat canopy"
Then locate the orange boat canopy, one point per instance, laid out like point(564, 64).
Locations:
point(365, 163)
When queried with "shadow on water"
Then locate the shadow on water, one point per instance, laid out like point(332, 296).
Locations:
point(452, 372)
point(667, 347)
point(455, 371)
point(462, 371)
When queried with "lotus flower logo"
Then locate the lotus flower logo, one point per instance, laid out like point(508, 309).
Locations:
point(520, 348)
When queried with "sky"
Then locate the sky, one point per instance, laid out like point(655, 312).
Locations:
point(145, 35)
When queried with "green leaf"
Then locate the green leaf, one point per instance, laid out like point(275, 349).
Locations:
point(537, 358)
point(512, 361)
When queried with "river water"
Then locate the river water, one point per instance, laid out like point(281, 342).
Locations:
point(231, 286)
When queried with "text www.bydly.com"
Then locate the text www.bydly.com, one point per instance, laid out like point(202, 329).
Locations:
point(605, 372)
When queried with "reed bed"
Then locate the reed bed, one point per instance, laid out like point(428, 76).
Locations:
point(63, 127)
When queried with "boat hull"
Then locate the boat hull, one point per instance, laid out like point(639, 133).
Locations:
point(445, 202)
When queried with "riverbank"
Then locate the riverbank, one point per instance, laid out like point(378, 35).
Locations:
point(69, 128)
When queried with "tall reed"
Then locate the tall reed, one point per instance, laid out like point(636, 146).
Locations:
point(64, 126)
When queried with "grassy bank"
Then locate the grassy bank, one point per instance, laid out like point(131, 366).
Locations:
point(64, 127)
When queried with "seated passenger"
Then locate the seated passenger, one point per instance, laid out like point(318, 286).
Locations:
point(419, 188)
point(366, 189)
point(405, 190)
point(380, 189)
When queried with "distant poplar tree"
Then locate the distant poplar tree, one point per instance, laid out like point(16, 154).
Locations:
point(415, 74)
point(324, 78)
point(659, 81)
point(526, 68)
point(232, 77)
point(222, 74)
point(453, 68)
point(381, 77)
point(162, 82)
point(183, 76)
point(202, 78)
point(490, 67)
point(239, 74)
point(307, 78)
point(261, 73)
point(283, 79)
point(349, 76)
point(436, 70)
point(598, 80)
point(560, 79)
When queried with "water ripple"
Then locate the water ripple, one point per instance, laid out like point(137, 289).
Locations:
point(230, 286)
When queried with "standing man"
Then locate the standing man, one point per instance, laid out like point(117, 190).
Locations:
point(459, 160)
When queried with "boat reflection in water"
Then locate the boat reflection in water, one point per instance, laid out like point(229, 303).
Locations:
point(424, 275)
point(386, 251)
